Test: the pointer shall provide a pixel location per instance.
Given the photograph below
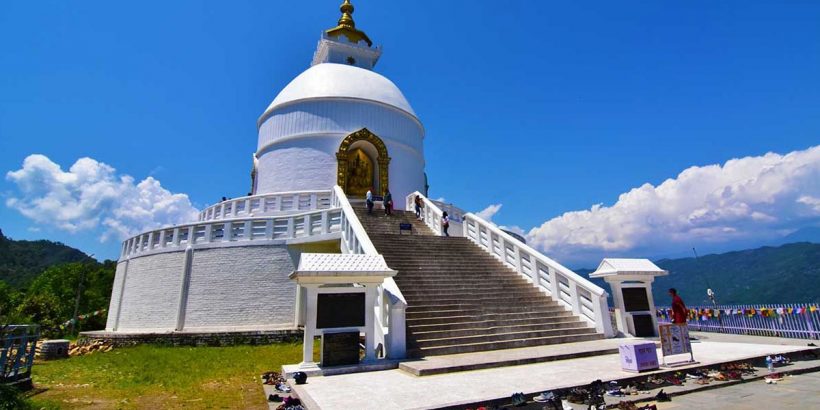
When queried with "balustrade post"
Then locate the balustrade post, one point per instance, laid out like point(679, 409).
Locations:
point(308, 225)
point(248, 206)
point(222, 210)
point(555, 288)
point(574, 298)
point(191, 235)
point(208, 232)
point(314, 204)
point(162, 238)
point(290, 227)
point(269, 229)
point(296, 201)
point(227, 231)
point(247, 230)
point(325, 223)
point(175, 238)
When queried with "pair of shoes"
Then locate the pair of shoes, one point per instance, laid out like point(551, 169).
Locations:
point(518, 399)
point(544, 397)
point(661, 396)
point(282, 387)
point(274, 398)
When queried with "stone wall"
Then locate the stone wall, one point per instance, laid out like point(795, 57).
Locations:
point(241, 287)
point(193, 338)
point(225, 289)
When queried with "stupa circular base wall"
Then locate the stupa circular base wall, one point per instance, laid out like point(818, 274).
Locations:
point(216, 289)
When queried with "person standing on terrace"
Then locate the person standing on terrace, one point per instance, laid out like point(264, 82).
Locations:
point(678, 307)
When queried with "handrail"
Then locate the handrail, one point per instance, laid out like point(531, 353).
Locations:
point(267, 204)
point(237, 231)
point(431, 214)
point(390, 303)
point(352, 229)
point(584, 298)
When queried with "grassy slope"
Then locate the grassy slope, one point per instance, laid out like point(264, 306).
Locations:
point(162, 377)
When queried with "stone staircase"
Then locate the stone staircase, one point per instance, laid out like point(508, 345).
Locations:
point(461, 299)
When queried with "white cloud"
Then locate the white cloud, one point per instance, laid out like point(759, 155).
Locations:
point(91, 195)
point(488, 212)
point(751, 198)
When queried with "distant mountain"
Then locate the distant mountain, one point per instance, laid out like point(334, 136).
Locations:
point(785, 274)
point(22, 261)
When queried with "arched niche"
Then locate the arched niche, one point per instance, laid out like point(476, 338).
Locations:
point(354, 152)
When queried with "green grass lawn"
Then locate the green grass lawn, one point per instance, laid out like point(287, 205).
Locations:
point(156, 377)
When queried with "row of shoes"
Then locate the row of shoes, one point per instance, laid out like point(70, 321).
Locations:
point(277, 381)
point(781, 360)
point(628, 405)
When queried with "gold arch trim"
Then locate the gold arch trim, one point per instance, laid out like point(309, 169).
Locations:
point(344, 150)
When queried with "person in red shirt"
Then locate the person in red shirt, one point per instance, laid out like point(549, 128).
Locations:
point(678, 307)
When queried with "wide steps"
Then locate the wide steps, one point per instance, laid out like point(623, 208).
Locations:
point(467, 324)
point(462, 299)
point(512, 305)
point(498, 337)
point(494, 330)
point(533, 312)
point(497, 345)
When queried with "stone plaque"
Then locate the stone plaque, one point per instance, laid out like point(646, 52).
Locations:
point(340, 310)
point(340, 349)
point(644, 326)
point(635, 299)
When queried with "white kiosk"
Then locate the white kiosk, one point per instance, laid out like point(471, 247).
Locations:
point(340, 293)
point(631, 283)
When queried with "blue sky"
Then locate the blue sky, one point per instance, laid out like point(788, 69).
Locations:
point(542, 107)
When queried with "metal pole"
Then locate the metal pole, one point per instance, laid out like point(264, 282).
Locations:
point(710, 292)
point(77, 301)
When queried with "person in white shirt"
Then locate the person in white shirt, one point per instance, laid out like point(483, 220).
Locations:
point(369, 201)
point(445, 223)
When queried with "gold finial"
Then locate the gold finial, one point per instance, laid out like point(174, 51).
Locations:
point(347, 27)
point(347, 15)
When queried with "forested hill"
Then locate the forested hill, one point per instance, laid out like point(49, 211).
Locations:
point(22, 261)
point(785, 274)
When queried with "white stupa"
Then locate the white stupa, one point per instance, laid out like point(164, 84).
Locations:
point(337, 123)
point(268, 264)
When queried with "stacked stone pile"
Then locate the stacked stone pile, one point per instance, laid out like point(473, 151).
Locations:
point(95, 346)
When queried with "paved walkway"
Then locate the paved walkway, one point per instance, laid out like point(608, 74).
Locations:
point(794, 392)
point(397, 389)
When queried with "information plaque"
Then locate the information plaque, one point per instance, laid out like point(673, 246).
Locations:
point(339, 349)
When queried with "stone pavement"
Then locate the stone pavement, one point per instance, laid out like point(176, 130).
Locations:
point(397, 389)
point(794, 392)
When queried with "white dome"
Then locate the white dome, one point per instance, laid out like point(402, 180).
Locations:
point(330, 80)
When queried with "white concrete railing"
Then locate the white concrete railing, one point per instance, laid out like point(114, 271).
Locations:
point(431, 214)
point(236, 232)
point(390, 303)
point(584, 298)
point(267, 204)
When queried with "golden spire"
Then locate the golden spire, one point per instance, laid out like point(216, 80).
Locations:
point(347, 26)
point(347, 15)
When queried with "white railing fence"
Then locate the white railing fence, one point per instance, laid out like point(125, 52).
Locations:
point(797, 321)
point(585, 299)
point(239, 231)
point(267, 204)
point(390, 303)
point(430, 213)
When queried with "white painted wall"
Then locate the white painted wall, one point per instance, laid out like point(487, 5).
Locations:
point(151, 296)
point(243, 286)
point(298, 144)
point(233, 287)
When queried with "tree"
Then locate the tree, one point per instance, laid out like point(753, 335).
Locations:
point(50, 299)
